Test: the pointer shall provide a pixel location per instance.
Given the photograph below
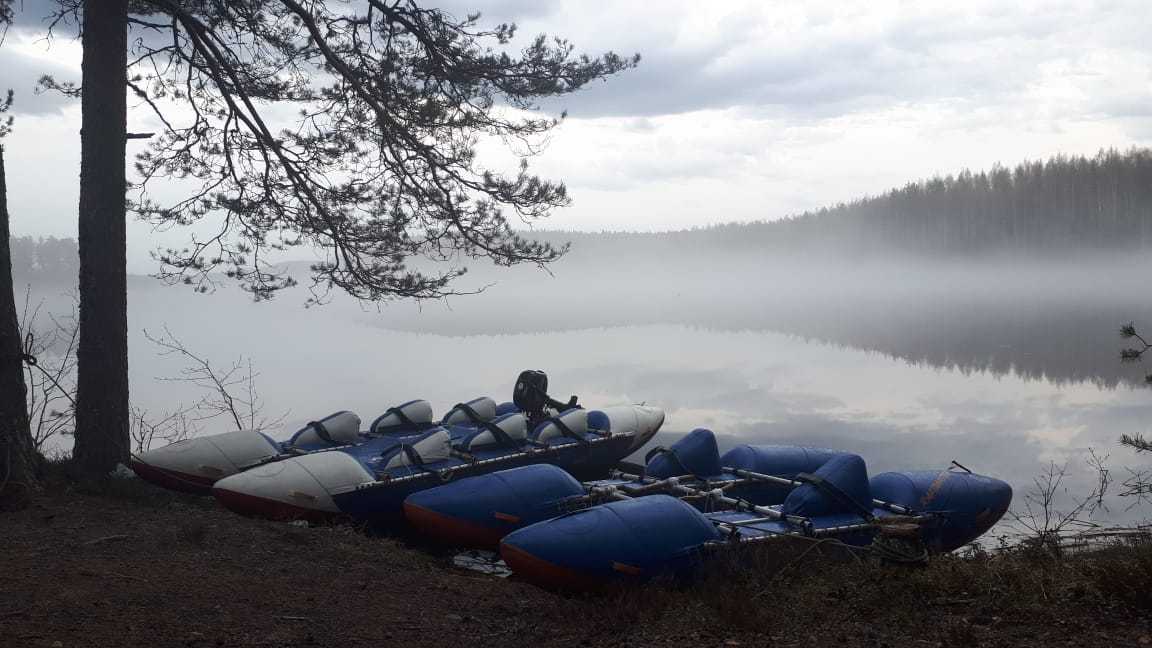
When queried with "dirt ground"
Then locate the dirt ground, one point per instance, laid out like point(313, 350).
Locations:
point(81, 569)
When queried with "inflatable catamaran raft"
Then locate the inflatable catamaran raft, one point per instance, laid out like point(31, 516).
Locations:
point(559, 533)
point(368, 482)
point(330, 469)
point(196, 464)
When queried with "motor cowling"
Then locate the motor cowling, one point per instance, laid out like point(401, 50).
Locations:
point(531, 395)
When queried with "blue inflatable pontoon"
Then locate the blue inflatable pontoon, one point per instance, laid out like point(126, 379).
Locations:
point(560, 533)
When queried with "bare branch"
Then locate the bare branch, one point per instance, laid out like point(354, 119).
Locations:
point(1042, 517)
point(230, 391)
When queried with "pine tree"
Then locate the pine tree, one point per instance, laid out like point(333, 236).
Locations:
point(17, 451)
point(379, 165)
point(102, 435)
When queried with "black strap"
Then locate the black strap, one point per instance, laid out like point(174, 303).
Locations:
point(414, 457)
point(322, 432)
point(565, 430)
point(653, 452)
point(830, 489)
point(404, 420)
point(468, 412)
point(498, 432)
point(661, 450)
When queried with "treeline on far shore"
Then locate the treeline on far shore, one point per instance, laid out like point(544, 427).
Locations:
point(1066, 202)
point(1099, 203)
point(44, 257)
point(1043, 208)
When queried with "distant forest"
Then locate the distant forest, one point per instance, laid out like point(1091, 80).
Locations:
point(1100, 203)
point(1067, 202)
point(51, 257)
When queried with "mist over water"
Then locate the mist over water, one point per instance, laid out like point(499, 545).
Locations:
point(1001, 365)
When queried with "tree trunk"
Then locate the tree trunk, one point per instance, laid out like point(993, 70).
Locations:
point(17, 451)
point(102, 353)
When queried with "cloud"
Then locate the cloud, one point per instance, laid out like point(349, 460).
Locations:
point(792, 59)
point(750, 110)
point(498, 11)
point(24, 58)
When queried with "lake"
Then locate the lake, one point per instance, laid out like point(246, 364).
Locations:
point(957, 367)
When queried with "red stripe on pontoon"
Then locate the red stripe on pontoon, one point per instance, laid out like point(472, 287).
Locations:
point(546, 574)
point(453, 531)
point(252, 506)
point(172, 479)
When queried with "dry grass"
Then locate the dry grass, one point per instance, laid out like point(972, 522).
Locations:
point(169, 569)
point(831, 594)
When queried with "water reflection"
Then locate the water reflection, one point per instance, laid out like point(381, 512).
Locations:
point(897, 415)
point(1003, 390)
point(1047, 321)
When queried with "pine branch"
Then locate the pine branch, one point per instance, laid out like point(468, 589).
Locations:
point(1137, 442)
point(1134, 354)
point(381, 163)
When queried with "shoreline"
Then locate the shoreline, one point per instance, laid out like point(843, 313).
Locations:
point(131, 565)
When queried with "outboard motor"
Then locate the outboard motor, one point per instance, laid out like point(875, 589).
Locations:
point(531, 396)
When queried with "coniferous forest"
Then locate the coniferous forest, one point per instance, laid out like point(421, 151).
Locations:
point(1065, 202)
point(47, 257)
point(1042, 208)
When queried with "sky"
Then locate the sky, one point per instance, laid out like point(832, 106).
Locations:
point(739, 110)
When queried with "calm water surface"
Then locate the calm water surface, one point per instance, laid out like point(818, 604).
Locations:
point(748, 387)
point(919, 401)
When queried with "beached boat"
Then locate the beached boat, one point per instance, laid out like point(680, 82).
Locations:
point(194, 465)
point(557, 532)
point(369, 481)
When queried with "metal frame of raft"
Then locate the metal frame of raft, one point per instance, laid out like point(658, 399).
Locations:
point(650, 486)
point(783, 481)
point(556, 531)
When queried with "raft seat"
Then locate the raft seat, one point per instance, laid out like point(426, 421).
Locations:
point(473, 412)
point(570, 426)
point(341, 428)
point(431, 447)
point(507, 431)
point(411, 416)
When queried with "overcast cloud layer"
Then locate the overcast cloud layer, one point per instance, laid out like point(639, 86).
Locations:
point(744, 110)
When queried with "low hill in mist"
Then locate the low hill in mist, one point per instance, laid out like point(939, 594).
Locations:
point(1090, 204)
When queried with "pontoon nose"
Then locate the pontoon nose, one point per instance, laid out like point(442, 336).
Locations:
point(193, 465)
point(648, 422)
point(297, 488)
point(150, 469)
